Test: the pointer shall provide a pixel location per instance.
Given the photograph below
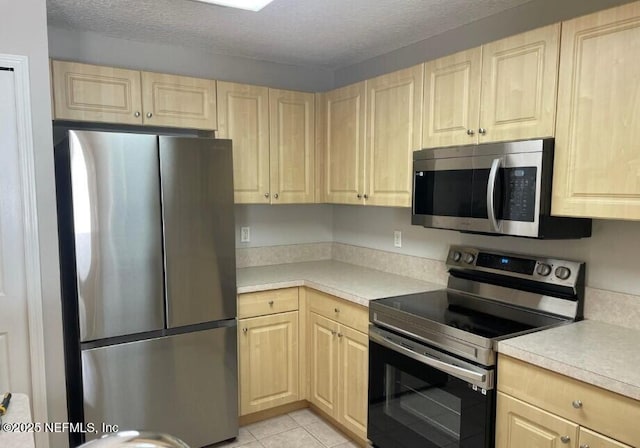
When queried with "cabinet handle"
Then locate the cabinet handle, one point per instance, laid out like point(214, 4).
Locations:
point(584, 446)
point(336, 310)
point(470, 132)
point(149, 115)
point(366, 196)
point(275, 195)
point(244, 330)
point(359, 196)
point(266, 195)
point(270, 302)
point(136, 114)
point(340, 335)
point(482, 131)
point(576, 404)
point(333, 332)
point(565, 439)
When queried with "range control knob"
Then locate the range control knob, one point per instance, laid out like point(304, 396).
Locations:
point(543, 269)
point(563, 272)
point(469, 258)
point(456, 256)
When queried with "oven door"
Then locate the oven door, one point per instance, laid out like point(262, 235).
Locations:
point(487, 189)
point(421, 397)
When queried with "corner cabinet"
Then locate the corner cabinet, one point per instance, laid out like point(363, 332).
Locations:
point(273, 133)
point(537, 407)
point(504, 90)
point(340, 137)
point(83, 92)
point(338, 360)
point(268, 349)
point(292, 148)
point(597, 158)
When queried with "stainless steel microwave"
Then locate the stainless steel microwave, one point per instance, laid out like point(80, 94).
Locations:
point(494, 188)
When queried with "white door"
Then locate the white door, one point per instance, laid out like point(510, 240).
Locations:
point(15, 373)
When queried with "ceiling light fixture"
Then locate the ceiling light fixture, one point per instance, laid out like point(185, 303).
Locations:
point(250, 5)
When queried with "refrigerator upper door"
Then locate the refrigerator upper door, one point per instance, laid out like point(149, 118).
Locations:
point(184, 385)
point(117, 233)
point(198, 214)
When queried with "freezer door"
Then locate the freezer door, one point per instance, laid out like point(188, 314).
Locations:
point(198, 215)
point(117, 232)
point(184, 385)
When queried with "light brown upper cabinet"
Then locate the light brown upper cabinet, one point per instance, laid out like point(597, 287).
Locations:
point(452, 99)
point(273, 133)
point(93, 93)
point(243, 116)
point(86, 92)
point(394, 131)
point(597, 152)
point(504, 90)
point(292, 149)
point(178, 101)
point(341, 122)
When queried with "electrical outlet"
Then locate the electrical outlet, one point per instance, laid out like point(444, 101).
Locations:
point(397, 238)
point(245, 234)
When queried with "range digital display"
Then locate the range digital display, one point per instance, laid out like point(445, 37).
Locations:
point(504, 263)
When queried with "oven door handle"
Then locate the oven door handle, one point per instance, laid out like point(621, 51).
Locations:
point(491, 189)
point(476, 378)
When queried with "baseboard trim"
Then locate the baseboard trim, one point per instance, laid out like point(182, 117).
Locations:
point(273, 412)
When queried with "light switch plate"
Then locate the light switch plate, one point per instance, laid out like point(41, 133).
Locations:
point(245, 234)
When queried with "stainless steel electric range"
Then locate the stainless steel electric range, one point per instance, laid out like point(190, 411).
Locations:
point(432, 356)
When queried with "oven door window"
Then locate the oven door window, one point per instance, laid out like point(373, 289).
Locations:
point(414, 405)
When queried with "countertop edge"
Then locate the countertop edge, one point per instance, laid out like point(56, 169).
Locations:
point(308, 284)
point(570, 371)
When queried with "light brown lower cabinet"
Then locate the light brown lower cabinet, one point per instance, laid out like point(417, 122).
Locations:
point(338, 366)
point(268, 361)
point(538, 408)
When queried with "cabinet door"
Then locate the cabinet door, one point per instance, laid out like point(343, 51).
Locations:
point(519, 424)
point(452, 100)
point(323, 363)
point(354, 380)
point(292, 148)
point(94, 93)
point(341, 123)
point(597, 162)
point(394, 131)
point(243, 116)
point(178, 101)
point(519, 86)
point(590, 439)
point(268, 360)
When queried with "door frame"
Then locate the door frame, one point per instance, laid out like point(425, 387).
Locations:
point(20, 66)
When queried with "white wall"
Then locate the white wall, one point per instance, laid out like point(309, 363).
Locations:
point(24, 32)
point(611, 253)
point(101, 50)
point(276, 225)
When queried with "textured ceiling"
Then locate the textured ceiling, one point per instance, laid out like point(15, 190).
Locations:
point(322, 33)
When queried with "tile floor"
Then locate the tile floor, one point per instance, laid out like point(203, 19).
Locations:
point(299, 429)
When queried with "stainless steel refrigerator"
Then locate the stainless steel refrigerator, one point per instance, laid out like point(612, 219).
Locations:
point(147, 246)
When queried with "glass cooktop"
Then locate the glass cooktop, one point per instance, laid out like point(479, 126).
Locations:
point(482, 317)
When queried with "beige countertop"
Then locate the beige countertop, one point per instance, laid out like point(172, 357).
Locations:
point(347, 281)
point(605, 355)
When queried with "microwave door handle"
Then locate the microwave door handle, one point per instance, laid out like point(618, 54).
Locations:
point(491, 188)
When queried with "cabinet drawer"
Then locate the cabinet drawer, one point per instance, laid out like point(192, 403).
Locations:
point(349, 314)
point(267, 302)
point(605, 412)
